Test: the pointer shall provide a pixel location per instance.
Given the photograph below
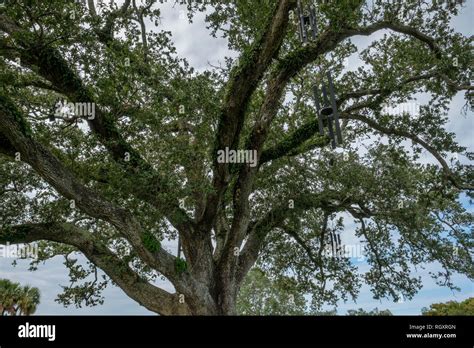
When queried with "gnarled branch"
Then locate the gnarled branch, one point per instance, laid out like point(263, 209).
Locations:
point(147, 295)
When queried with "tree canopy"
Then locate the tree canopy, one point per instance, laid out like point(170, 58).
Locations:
point(465, 307)
point(133, 162)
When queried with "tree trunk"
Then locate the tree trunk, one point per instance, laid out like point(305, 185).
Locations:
point(211, 293)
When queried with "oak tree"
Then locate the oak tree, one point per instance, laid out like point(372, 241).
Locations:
point(128, 158)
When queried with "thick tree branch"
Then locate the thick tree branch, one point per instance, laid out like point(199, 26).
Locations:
point(140, 19)
point(290, 65)
point(15, 130)
point(310, 129)
point(54, 68)
point(32, 82)
point(292, 141)
point(287, 68)
point(387, 90)
point(243, 82)
point(302, 243)
point(147, 295)
point(259, 229)
point(106, 32)
point(91, 5)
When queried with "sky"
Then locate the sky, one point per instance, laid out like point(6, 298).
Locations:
point(194, 42)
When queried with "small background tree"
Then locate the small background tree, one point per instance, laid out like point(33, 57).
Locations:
point(261, 295)
point(465, 307)
point(374, 311)
point(18, 300)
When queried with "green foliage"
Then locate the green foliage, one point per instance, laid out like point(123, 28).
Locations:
point(362, 312)
point(85, 287)
point(465, 307)
point(150, 242)
point(180, 265)
point(10, 108)
point(260, 295)
point(17, 300)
